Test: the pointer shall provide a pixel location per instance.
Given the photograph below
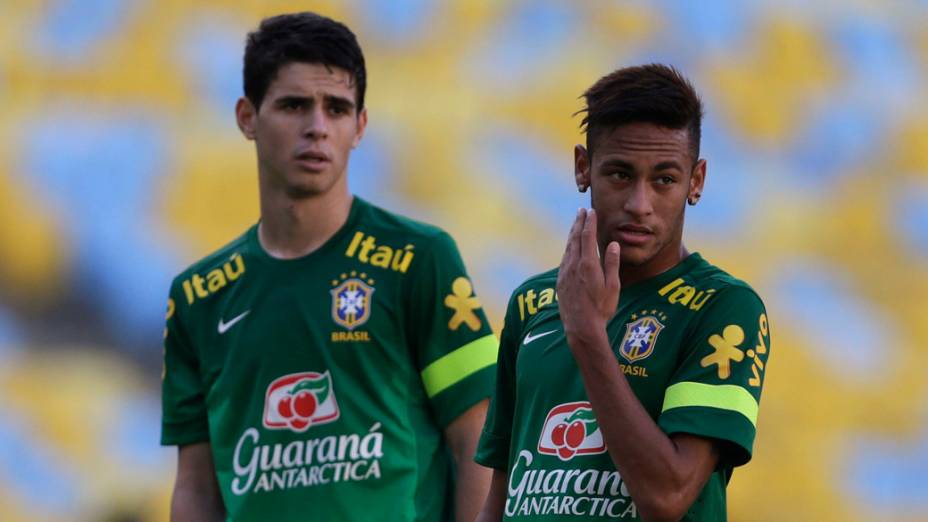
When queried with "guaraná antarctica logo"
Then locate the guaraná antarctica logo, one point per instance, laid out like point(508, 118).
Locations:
point(299, 458)
point(571, 429)
point(300, 400)
point(563, 486)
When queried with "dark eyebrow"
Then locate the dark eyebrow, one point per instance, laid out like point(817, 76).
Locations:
point(286, 100)
point(339, 101)
point(669, 164)
point(617, 163)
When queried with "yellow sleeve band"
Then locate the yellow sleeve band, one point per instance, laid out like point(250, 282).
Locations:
point(720, 396)
point(458, 364)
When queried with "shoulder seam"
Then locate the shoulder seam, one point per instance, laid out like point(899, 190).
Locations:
point(213, 256)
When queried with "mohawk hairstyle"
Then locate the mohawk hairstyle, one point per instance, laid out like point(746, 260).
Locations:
point(300, 37)
point(652, 93)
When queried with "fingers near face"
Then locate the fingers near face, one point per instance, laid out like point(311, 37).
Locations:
point(611, 267)
point(573, 240)
point(588, 236)
point(613, 248)
point(576, 229)
point(576, 225)
point(611, 257)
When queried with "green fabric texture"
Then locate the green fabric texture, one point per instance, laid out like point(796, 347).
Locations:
point(324, 383)
point(693, 345)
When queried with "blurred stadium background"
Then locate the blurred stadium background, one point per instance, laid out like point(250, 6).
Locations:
point(120, 164)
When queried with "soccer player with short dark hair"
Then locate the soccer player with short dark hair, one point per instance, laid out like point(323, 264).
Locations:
point(333, 362)
point(629, 378)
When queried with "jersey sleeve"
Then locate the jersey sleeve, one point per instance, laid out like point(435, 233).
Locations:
point(184, 415)
point(716, 390)
point(495, 440)
point(454, 347)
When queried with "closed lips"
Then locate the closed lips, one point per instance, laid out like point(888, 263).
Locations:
point(635, 229)
point(312, 156)
point(633, 235)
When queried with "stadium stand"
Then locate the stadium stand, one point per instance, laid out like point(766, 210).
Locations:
point(120, 163)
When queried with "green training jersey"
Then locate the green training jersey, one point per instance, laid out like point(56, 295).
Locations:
point(693, 343)
point(323, 383)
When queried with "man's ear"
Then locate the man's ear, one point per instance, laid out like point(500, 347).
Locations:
point(362, 125)
point(581, 168)
point(697, 182)
point(245, 115)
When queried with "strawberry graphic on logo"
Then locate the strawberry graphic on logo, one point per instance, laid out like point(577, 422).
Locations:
point(300, 400)
point(570, 430)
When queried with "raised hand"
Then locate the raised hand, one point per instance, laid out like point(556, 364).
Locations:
point(587, 287)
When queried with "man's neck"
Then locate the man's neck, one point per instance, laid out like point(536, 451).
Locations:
point(662, 262)
point(292, 228)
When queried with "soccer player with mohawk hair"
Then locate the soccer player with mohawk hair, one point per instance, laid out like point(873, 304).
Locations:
point(633, 393)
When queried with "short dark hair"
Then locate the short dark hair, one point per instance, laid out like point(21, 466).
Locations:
point(652, 93)
point(300, 37)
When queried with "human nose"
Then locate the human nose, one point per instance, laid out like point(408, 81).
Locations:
point(638, 202)
point(316, 125)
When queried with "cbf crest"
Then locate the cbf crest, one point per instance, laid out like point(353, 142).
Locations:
point(351, 300)
point(641, 335)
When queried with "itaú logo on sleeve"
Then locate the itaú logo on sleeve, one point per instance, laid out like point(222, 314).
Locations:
point(571, 429)
point(300, 400)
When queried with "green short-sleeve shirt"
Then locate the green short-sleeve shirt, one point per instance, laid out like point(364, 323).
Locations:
point(693, 344)
point(323, 383)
